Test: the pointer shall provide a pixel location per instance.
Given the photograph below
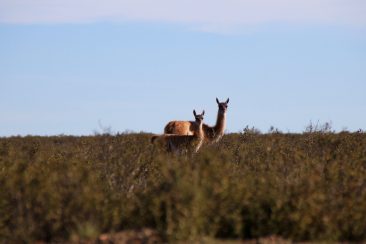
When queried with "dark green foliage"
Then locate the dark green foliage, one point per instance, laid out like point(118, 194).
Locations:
point(309, 186)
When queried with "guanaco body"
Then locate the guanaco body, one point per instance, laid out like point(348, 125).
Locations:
point(212, 134)
point(179, 143)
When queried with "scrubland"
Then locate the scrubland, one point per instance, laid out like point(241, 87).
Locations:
point(301, 187)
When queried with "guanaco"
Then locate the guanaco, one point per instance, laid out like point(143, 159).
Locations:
point(180, 143)
point(212, 134)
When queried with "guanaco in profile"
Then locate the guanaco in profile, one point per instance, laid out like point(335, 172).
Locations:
point(180, 143)
point(212, 134)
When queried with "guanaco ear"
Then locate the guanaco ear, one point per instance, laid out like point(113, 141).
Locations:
point(217, 100)
point(203, 113)
point(227, 101)
point(194, 113)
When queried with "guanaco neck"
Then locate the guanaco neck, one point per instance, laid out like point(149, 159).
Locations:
point(220, 123)
point(199, 132)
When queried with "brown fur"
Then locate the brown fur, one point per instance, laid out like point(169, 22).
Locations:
point(212, 134)
point(191, 143)
point(181, 127)
point(178, 143)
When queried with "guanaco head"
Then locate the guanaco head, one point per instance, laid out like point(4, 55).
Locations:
point(222, 106)
point(198, 117)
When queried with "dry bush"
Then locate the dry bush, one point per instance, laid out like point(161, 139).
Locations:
point(302, 187)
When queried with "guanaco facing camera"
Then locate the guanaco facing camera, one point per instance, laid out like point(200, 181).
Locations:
point(212, 134)
point(180, 143)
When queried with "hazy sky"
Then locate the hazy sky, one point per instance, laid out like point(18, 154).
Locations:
point(69, 66)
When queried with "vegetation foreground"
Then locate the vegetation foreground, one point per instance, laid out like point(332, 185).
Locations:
point(302, 187)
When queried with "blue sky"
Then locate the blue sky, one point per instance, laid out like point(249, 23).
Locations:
point(68, 73)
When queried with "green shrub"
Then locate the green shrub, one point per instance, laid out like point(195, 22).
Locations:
point(304, 187)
